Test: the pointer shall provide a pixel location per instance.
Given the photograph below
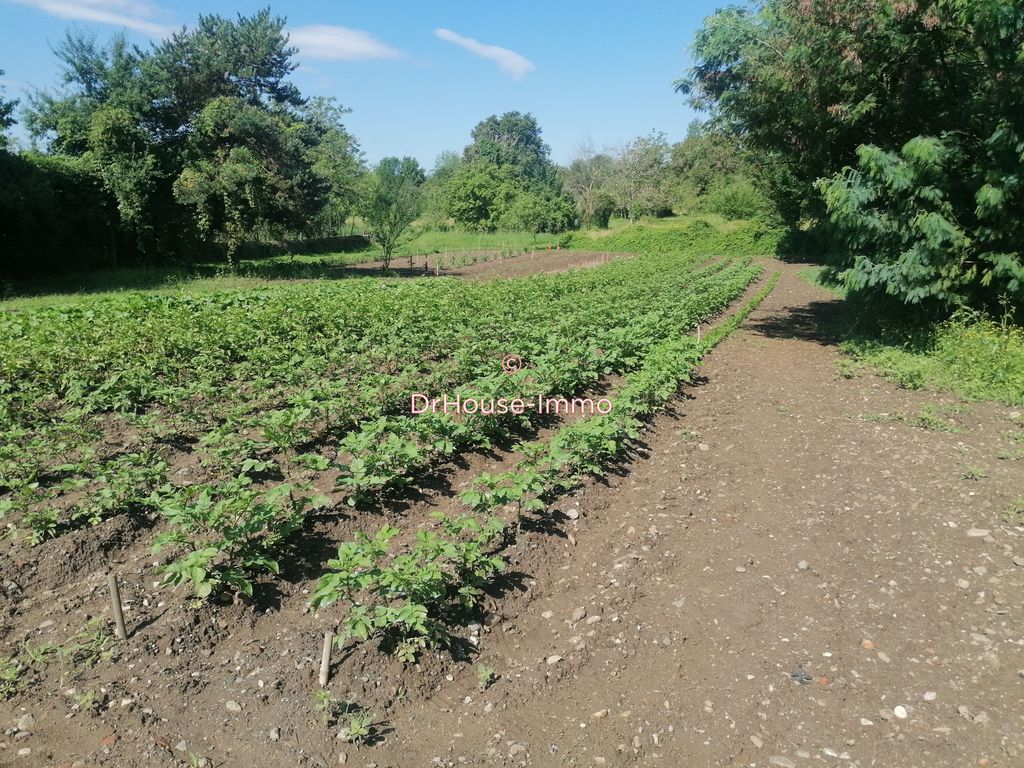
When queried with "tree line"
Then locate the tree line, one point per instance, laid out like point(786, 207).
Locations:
point(893, 132)
point(200, 145)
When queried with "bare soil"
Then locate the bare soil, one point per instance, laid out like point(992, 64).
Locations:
point(792, 570)
point(488, 265)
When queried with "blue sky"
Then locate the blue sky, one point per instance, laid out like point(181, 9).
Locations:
point(419, 75)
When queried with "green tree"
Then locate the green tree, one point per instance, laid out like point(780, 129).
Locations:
point(588, 179)
point(477, 194)
point(336, 159)
point(913, 112)
point(639, 180)
point(6, 116)
point(247, 167)
point(512, 140)
point(391, 201)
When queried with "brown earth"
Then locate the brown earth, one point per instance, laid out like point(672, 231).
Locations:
point(792, 571)
point(489, 265)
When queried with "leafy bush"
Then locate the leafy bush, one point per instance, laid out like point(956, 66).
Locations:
point(931, 225)
point(411, 597)
point(736, 199)
point(230, 533)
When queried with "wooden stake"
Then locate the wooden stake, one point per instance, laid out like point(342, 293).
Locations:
point(115, 601)
point(325, 660)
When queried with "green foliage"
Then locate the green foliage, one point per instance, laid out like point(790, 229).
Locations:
point(412, 596)
point(903, 219)
point(11, 678)
point(391, 201)
point(358, 729)
point(912, 115)
point(512, 141)
point(6, 116)
point(200, 137)
point(505, 181)
point(229, 534)
point(246, 168)
point(485, 676)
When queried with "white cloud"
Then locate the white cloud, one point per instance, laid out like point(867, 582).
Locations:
point(323, 41)
point(511, 63)
point(120, 13)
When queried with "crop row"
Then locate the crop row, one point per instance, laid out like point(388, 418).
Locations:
point(411, 602)
point(251, 382)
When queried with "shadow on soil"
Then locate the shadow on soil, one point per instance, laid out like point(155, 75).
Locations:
point(816, 321)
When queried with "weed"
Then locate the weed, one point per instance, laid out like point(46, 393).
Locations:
point(1015, 514)
point(929, 417)
point(358, 729)
point(12, 680)
point(485, 676)
point(974, 473)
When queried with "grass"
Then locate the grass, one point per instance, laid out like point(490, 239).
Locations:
point(972, 356)
point(214, 277)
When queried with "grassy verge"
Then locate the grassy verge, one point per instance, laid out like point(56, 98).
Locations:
point(972, 356)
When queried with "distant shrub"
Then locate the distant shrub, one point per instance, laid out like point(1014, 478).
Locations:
point(737, 199)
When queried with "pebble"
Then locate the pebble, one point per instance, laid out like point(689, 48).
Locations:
point(803, 565)
point(25, 722)
point(233, 706)
point(867, 644)
point(740, 569)
point(594, 620)
point(1018, 560)
point(181, 746)
point(554, 659)
point(963, 583)
point(930, 695)
point(600, 714)
point(756, 742)
point(900, 712)
point(703, 447)
point(275, 734)
point(342, 758)
point(883, 656)
point(977, 533)
point(578, 614)
point(24, 751)
point(782, 762)
point(865, 721)
point(572, 513)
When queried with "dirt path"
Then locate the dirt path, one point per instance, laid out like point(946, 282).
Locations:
point(787, 578)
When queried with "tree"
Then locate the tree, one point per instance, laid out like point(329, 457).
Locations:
point(201, 136)
point(638, 181)
point(435, 189)
point(806, 82)
point(513, 141)
point(914, 115)
point(247, 59)
point(247, 167)
point(477, 193)
point(336, 158)
point(391, 201)
point(587, 179)
point(6, 116)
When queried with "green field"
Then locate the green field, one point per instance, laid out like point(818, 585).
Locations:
point(275, 389)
